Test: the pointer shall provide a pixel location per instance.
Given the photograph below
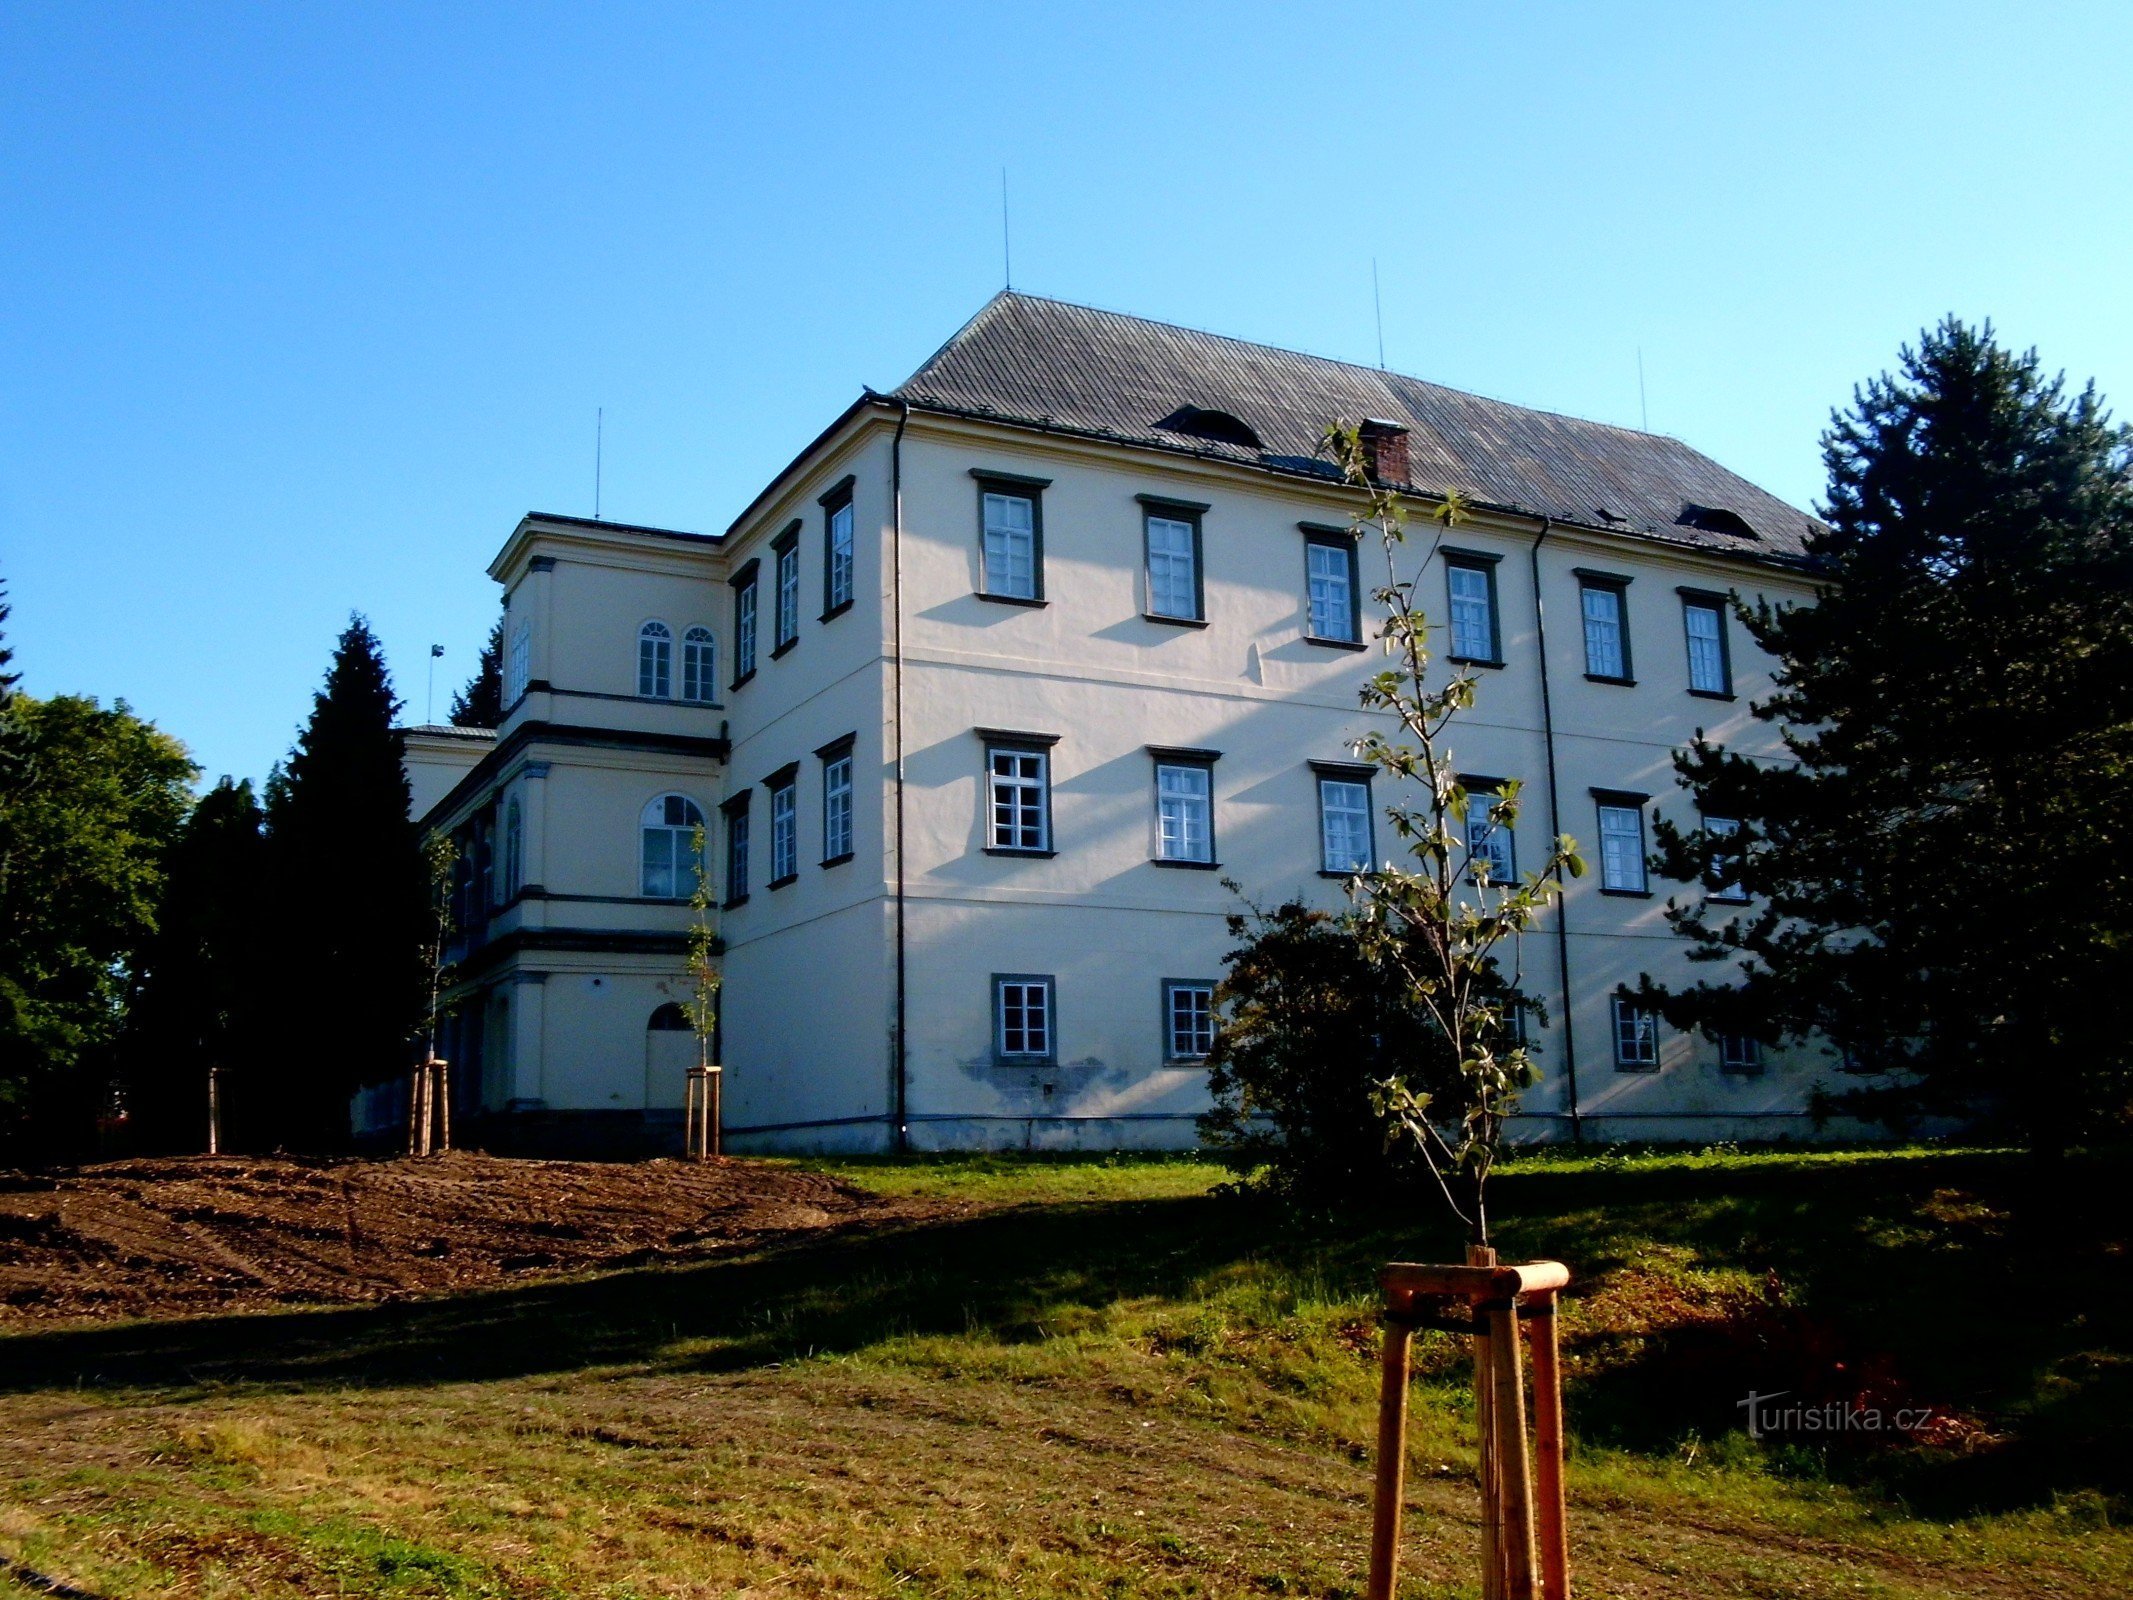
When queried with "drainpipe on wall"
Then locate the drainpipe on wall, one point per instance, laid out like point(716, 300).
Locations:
point(1555, 819)
point(902, 1130)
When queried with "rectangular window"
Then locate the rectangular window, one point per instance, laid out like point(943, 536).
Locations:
point(836, 801)
point(518, 663)
point(736, 811)
point(1345, 833)
point(1188, 1019)
point(1471, 583)
point(1604, 602)
point(784, 828)
point(1621, 843)
point(1184, 808)
point(1703, 619)
point(1011, 536)
point(787, 548)
point(1022, 1018)
point(744, 620)
point(1489, 842)
point(1171, 534)
point(1739, 1053)
point(1018, 794)
point(1719, 880)
point(655, 661)
point(1330, 577)
point(837, 563)
point(1636, 1036)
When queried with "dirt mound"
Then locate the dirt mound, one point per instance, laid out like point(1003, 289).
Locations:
point(208, 1233)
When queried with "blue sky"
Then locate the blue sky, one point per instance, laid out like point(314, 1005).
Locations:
point(302, 306)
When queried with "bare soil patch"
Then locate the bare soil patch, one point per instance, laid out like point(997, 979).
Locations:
point(197, 1234)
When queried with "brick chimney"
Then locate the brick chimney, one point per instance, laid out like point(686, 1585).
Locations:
point(1385, 450)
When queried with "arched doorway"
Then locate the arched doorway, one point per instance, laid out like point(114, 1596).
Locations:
point(669, 1053)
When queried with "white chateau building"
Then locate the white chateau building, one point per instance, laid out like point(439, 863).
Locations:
point(984, 696)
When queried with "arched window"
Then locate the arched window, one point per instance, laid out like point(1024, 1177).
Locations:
point(669, 848)
point(514, 848)
point(655, 661)
point(669, 1018)
point(699, 665)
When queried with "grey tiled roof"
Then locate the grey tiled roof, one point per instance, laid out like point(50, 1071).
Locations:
point(1073, 369)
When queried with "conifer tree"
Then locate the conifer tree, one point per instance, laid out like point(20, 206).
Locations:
point(197, 997)
point(347, 898)
point(481, 703)
point(1942, 887)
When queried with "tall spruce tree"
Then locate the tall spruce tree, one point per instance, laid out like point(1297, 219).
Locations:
point(197, 997)
point(481, 703)
point(1943, 885)
point(346, 889)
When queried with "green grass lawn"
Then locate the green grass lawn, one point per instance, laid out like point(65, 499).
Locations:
point(1103, 1379)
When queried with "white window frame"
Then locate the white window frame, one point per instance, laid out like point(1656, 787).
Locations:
point(1011, 543)
point(837, 805)
point(1170, 559)
point(1345, 779)
point(739, 830)
point(655, 661)
point(518, 662)
point(1491, 840)
point(1198, 1016)
point(1018, 785)
point(747, 615)
point(839, 563)
point(1720, 881)
point(1332, 603)
point(1710, 659)
point(1603, 606)
point(1473, 624)
point(1622, 850)
point(784, 830)
point(1635, 1031)
point(786, 575)
point(699, 666)
point(1184, 809)
point(1015, 997)
point(667, 845)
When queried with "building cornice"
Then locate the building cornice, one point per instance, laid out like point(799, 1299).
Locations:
point(492, 766)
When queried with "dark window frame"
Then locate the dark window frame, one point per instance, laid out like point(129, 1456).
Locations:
point(838, 498)
point(736, 810)
point(1616, 583)
point(1022, 487)
point(786, 549)
point(1171, 1058)
point(1360, 772)
point(1720, 605)
point(747, 592)
point(1344, 540)
point(1190, 512)
point(1014, 741)
point(1484, 562)
point(786, 780)
point(1167, 755)
point(839, 749)
point(996, 1024)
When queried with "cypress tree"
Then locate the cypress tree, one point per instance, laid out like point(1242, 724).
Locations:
point(196, 1002)
point(481, 703)
point(346, 892)
point(1943, 884)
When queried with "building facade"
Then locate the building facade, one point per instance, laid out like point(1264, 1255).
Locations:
point(986, 700)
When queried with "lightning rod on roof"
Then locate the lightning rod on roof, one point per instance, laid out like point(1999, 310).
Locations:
point(599, 441)
point(1007, 243)
point(1378, 306)
point(1644, 414)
